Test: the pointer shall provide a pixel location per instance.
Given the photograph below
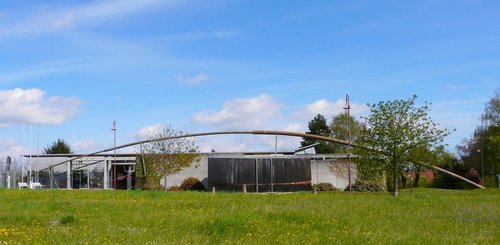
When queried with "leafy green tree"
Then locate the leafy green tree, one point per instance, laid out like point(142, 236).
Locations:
point(170, 156)
point(491, 116)
point(394, 129)
point(485, 143)
point(318, 126)
point(58, 147)
point(338, 128)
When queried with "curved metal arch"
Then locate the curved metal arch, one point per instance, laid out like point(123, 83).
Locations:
point(254, 132)
point(258, 132)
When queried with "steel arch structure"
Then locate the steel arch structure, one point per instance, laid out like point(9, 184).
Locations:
point(258, 132)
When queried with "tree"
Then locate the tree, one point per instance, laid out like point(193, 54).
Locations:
point(58, 147)
point(318, 126)
point(172, 155)
point(394, 129)
point(338, 128)
point(491, 114)
point(482, 151)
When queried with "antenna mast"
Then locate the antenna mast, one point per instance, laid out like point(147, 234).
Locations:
point(347, 107)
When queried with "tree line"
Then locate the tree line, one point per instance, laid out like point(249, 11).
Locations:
point(396, 136)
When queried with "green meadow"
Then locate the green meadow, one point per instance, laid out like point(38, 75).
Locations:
point(429, 216)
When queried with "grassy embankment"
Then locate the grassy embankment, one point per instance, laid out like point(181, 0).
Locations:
point(82, 216)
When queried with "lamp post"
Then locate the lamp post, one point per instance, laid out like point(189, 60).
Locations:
point(347, 107)
point(480, 150)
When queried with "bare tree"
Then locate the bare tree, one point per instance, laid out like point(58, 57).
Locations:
point(170, 156)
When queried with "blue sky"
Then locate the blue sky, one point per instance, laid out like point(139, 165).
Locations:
point(72, 67)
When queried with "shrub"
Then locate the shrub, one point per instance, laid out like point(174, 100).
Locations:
point(192, 184)
point(325, 187)
point(448, 182)
point(366, 186)
point(175, 188)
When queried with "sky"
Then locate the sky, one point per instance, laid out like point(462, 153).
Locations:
point(68, 69)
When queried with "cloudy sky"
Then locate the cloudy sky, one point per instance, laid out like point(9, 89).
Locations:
point(72, 67)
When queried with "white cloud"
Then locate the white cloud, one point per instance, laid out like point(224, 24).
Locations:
point(248, 143)
point(192, 80)
point(328, 109)
point(32, 106)
point(262, 112)
point(10, 147)
point(248, 113)
point(85, 146)
point(296, 127)
point(147, 131)
point(225, 144)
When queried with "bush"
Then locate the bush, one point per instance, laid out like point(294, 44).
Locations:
point(175, 188)
point(325, 187)
point(192, 184)
point(448, 182)
point(366, 186)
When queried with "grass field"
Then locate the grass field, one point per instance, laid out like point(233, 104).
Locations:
point(429, 216)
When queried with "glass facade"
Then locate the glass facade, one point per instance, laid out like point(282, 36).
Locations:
point(95, 172)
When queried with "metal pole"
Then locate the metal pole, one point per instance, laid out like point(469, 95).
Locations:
point(482, 165)
point(37, 173)
point(7, 170)
point(114, 154)
point(69, 175)
point(88, 177)
point(106, 174)
point(276, 144)
point(272, 166)
point(22, 159)
point(348, 108)
point(50, 177)
point(31, 152)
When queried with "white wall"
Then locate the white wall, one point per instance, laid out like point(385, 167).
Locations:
point(332, 171)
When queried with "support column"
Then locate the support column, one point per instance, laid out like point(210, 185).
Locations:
point(106, 174)
point(68, 174)
point(50, 177)
point(88, 177)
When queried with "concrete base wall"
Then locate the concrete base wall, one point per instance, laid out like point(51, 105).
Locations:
point(335, 172)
